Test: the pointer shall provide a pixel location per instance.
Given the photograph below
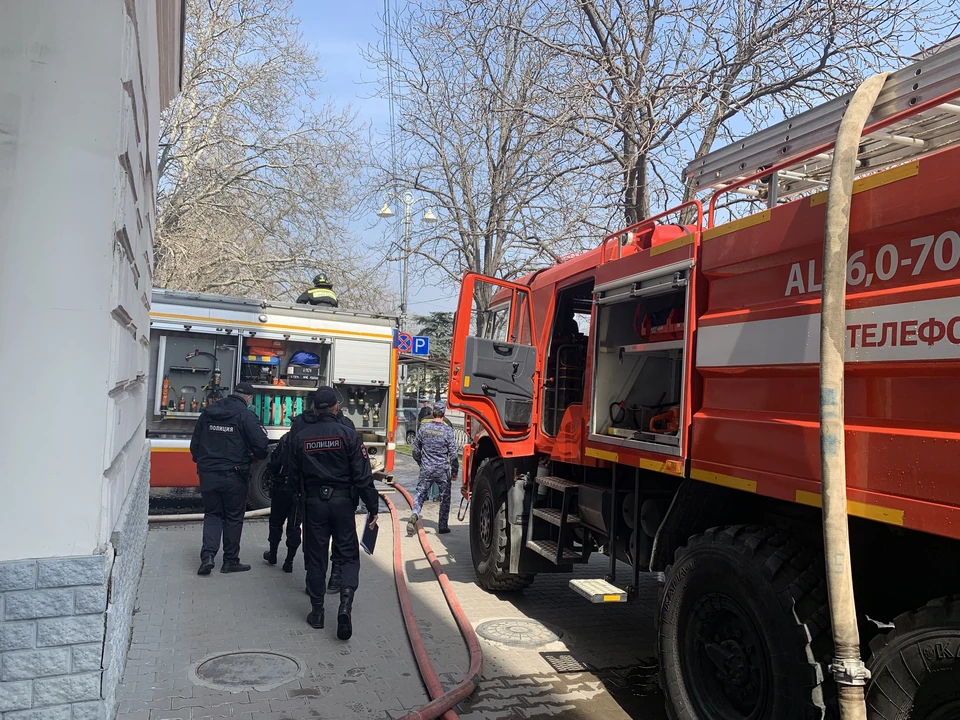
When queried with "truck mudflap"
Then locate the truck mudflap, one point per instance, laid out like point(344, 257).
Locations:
point(519, 497)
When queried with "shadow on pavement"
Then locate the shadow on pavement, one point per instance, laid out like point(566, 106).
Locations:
point(612, 645)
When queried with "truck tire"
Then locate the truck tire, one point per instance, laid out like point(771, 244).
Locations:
point(743, 618)
point(261, 487)
point(489, 534)
point(916, 666)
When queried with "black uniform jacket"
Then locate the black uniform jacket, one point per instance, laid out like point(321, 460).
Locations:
point(327, 452)
point(281, 459)
point(226, 435)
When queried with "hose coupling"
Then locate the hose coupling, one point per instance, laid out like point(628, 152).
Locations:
point(849, 672)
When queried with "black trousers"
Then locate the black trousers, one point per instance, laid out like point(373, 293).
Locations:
point(224, 501)
point(285, 508)
point(333, 519)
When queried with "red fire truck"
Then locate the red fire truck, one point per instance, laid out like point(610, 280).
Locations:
point(202, 345)
point(656, 399)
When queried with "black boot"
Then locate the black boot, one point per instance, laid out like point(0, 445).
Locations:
point(232, 567)
point(288, 563)
point(333, 585)
point(271, 555)
point(206, 565)
point(315, 618)
point(344, 621)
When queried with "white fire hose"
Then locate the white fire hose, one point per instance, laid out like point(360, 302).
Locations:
point(848, 670)
point(193, 517)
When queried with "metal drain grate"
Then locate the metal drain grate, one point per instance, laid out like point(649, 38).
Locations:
point(564, 662)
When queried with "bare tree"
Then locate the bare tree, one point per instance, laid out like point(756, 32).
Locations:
point(257, 174)
point(659, 81)
point(476, 133)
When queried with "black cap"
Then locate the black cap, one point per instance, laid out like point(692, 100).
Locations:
point(324, 398)
point(244, 388)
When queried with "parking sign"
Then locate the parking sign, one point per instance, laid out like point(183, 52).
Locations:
point(421, 345)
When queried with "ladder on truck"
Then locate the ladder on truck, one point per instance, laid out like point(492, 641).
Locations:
point(916, 113)
point(552, 524)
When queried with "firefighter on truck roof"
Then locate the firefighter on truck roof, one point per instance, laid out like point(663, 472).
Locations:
point(321, 293)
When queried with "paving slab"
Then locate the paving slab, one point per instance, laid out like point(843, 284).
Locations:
point(183, 621)
point(615, 642)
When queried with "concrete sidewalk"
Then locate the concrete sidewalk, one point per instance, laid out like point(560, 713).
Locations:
point(183, 619)
point(603, 651)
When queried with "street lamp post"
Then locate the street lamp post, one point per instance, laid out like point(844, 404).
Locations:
point(428, 217)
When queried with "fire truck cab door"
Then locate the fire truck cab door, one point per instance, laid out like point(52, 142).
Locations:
point(493, 365)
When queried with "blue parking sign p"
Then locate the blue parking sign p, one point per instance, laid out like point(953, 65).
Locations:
point(421, 345)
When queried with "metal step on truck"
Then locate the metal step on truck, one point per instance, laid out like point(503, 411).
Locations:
point(201, 346)
point(659, 399)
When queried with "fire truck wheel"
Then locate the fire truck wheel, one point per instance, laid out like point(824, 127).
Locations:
point(489, 533)
point(916, 666)
point(743, 617)
point(261, 487)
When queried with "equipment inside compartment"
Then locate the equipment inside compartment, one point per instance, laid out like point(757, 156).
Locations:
point(639, 374)
point(284, 374)
point(196, 371)
point(199, 369)
point(364, 405)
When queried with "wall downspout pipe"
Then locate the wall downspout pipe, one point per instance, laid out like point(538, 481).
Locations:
point(848, 669)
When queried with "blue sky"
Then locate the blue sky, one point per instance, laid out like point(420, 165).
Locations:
point(338, 31)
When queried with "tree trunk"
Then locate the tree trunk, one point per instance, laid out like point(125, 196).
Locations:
point(636, 197)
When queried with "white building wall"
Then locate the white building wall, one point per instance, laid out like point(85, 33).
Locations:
point(79, 107)
point(80, 97)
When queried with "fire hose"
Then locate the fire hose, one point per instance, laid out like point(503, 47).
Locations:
point(848, 669)
point(442, 703)
point(193, 517)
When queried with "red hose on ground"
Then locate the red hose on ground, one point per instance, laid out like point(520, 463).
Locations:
point(440, 705)
point(427, 671)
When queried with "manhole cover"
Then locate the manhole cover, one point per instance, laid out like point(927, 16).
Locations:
point(518, 632)
point(250, 670)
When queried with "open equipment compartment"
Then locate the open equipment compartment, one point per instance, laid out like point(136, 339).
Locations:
point(639, 364)
point(284, 389)
point(194, 370)
point(361, 377)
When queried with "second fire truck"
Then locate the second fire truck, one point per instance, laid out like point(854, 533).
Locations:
point(202, 345)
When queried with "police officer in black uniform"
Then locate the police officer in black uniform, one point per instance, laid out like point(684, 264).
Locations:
point(226, 435)
point(335, 471)
point(286, 505)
